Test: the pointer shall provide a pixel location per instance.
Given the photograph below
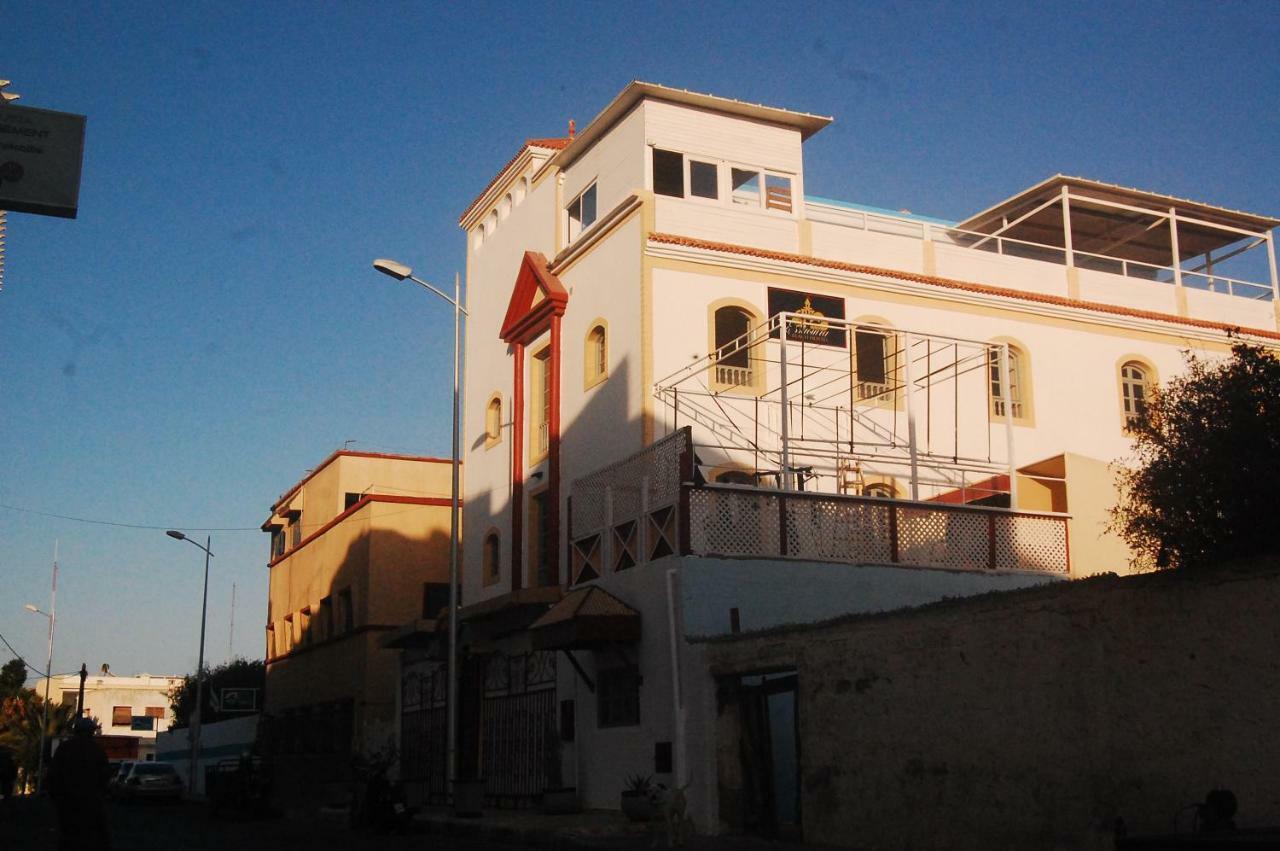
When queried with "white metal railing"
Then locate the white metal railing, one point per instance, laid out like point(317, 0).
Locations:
point(1010, 247)
point(733, 376)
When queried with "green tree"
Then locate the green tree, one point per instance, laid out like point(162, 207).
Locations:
point(1207, 456)
point(238, 673)
point(13, 676)
point(21, 718)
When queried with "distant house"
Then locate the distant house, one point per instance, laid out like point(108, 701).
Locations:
point(701, 399)
point(358, 547)
point(131, 710)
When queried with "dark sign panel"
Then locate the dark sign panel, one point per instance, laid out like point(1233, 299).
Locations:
point(811, 326)
point(40, 156)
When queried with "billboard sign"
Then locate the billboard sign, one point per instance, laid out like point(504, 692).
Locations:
point(238, 700)
point(41, 152)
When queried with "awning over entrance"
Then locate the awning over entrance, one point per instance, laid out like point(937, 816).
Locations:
point(586, 619)
point(509, 613)
point(418, 634)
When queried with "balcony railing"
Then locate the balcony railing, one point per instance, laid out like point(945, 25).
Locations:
point(647, 507)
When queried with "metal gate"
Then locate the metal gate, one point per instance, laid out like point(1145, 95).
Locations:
point(423, 733)
point(519, 738)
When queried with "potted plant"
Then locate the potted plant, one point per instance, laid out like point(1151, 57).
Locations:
point(557, 799)
point(637, 797)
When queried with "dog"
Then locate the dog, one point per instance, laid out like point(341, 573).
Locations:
point(671, 811)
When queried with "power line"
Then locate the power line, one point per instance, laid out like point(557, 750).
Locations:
point(19, 656)
point(129, 525)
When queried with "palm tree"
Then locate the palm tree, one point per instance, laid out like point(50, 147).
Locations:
point(21, 718)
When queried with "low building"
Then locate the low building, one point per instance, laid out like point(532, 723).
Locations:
point(131, 710)
point(358, 548)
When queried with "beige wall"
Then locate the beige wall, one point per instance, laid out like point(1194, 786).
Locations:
point(1031, 719)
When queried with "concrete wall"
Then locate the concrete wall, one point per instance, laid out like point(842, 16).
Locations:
point(1031, 719)
point(222, 740)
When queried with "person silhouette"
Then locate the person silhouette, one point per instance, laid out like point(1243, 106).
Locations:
point(78, 784)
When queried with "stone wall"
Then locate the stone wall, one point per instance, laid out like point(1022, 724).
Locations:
point(1033, 718)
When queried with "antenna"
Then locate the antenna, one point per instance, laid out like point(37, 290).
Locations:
point(231, 640)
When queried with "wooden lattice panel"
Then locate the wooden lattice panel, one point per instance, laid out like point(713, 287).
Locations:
point(1029, 542)
point(837, 530)
point(733, 523)
point(932, 538)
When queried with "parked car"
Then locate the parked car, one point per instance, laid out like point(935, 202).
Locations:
point(115, 783)
point(152, 780)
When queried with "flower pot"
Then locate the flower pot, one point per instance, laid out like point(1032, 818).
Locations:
point(468, 798)
point(637, 806)
point(560, 801)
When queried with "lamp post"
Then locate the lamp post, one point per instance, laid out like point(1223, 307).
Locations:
point(204, 608)
point(52, 615)
point(401, 272)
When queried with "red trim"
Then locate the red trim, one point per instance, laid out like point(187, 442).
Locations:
point(952, 283)
point(361, 503)
point(553, 144)
point(553, 455)
point(977, 490)
point(352, 453)
point(517, 471)
point(526, 317)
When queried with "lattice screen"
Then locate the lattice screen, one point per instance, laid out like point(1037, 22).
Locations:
point(1028, 542)
point(831, 530)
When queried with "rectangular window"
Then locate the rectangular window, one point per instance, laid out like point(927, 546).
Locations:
point(349, 500)
point(870, 357)
point(304, 626)
point(777, 192)
point(154, 712)
point(277, 543)
point(435, 597)
point(325, 624)
point(142, 722)
point(70, 698)
point(582, 212)
point(540, 540)
point(121, 716)
point(618, 698)
point(746, 187)
point(541, 402)
point(668, 173)
point(346, 610)
point(295, 530)
point(703, 180)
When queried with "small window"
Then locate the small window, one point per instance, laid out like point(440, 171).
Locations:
point(295, 529)
point(618, 697)
point(1134, 390)
point(491, 222)
point(493, 420)
point(746, 187)
point(880, 490)
point(155, 712)
point(346, 611)
point(349, 499)
point(582, 212)
point(875, 359)
point(304, 626)
point(668, 173)
point(777, 192)
point(277, 543)
point(121, 716)
point(435, 598)
point(703, 180)
point(504, 207)
point(521, 188)
point(70, 698)
point(597, 355)
point(540, 403)
point(491, 558)
point(324, 625)
point(1017, 368)
point(140, 723)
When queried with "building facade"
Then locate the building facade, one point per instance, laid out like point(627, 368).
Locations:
point(132, 710)
point(358, 547)
point(702, 400)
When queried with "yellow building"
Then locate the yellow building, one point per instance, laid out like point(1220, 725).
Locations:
point(358, 547)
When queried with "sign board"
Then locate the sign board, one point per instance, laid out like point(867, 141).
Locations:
point(810, 326)
point(41, 152)
point(239, 700)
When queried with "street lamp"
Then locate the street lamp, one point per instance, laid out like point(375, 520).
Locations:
point(401, 272)
point(48, 672)
point(204, 608)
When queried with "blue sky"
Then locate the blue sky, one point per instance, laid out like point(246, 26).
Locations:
point(209, 328)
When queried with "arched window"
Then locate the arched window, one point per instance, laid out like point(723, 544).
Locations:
point(522, 186)
point(493, 420)
point(596, 355)
point(504, 207)
point(733, 350)
point(490, 222)
point(1135, 387)
point(882, 490)
point(491, 558)
point(1017, 388)
point(477, 236)
point(876, 361)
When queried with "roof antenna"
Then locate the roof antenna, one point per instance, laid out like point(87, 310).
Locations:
point(571, 128)
point(346, 444)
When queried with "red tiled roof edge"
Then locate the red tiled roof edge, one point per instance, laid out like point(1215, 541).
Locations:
point(952, 283)
point(554, 144)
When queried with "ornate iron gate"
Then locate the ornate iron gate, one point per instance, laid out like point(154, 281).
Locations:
point(423, 734)
point(519, 738)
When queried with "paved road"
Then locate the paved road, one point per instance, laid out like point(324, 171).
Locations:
point(29, 825)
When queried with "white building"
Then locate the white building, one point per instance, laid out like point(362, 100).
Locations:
point(128, 708)
point(701, 400)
